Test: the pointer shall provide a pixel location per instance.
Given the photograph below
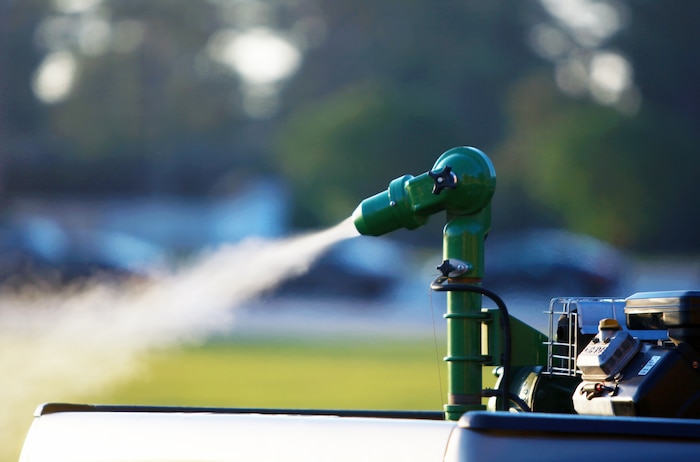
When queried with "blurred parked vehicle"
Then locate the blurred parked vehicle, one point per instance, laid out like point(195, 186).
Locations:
point(40, 248)
point(552, 261)
point(360, 268)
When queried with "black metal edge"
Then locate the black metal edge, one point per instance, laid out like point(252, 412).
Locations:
point(55, 408)
point(686, 298)
point(603, 426)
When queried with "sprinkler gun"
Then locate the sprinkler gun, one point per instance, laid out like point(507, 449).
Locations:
point(461, 183)
point(638, 356)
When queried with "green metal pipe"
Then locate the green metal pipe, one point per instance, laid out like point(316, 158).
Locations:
point(461, 183)
point(464, 240)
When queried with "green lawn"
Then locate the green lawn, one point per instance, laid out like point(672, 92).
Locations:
point(346, 373)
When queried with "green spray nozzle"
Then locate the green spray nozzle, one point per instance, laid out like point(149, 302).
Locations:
point(461, 182)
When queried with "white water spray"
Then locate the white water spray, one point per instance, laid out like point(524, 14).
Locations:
point(59, 345)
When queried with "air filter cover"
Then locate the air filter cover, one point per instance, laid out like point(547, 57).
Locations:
point(676, 311)
point(662, 310)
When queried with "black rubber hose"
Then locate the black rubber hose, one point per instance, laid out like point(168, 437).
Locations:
point(439, 285)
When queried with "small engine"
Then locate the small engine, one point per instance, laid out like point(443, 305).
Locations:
point(623, 374)
point(617, 357)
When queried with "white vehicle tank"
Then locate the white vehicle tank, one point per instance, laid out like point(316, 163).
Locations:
point(110, 433)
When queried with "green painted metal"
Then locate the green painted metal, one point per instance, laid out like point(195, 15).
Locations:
point(463, 239)
point(461, 183)
point(532, 346)
point(409, 201)
point(391, 209)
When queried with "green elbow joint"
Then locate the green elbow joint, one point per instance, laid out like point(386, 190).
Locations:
point(461, 182)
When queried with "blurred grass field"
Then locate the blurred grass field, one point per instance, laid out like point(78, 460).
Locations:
point(346, 373)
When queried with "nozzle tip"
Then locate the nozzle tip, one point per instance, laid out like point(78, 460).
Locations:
point(359, 220)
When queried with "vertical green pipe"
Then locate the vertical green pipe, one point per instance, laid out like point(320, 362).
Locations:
point(464, 240)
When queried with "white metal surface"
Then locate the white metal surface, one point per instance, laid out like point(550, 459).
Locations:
point(141, 436)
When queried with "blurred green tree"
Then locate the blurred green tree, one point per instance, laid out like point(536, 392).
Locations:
point(589, 108)
point(140, 97)
point(620, 169)
point(20, 113)
point(393, 85)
